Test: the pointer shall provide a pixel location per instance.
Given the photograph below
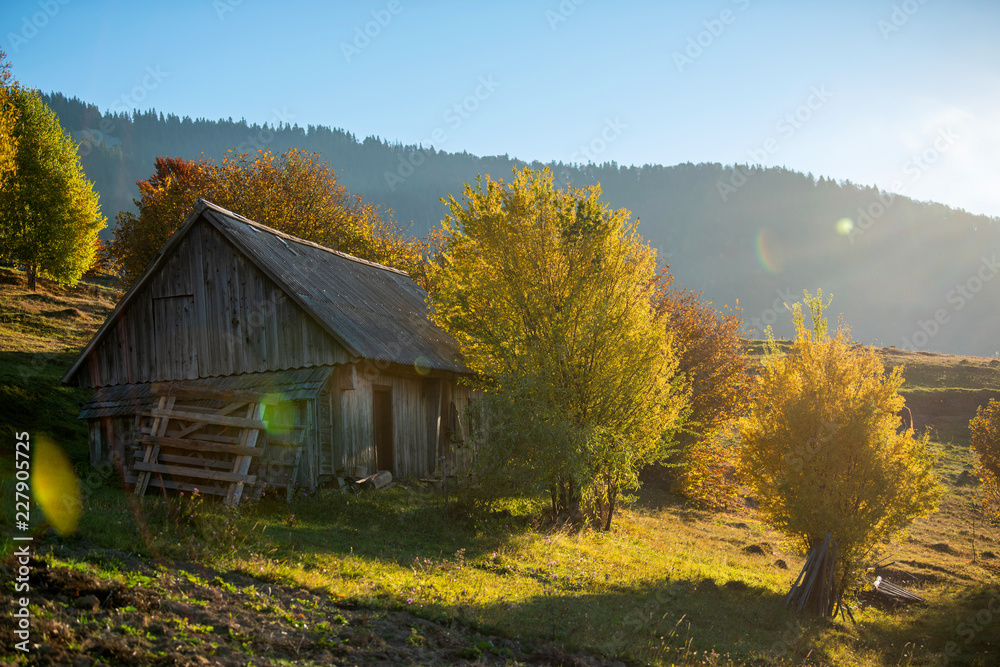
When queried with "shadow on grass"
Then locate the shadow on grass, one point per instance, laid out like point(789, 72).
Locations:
point(399, 549)
point(465, 581)
point(667, 622)
point(392, 526)
point(963, 629)
point(32, 400)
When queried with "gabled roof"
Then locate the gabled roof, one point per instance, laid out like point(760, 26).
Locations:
point(376, 312)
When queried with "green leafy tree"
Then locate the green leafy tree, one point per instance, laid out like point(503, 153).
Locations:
point(985, 430)
point(49, 212)
point(820, 447)
point(296, 193)
point(549, 293)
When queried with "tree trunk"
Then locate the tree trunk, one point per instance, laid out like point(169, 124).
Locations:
point(612, 495)
point(32, 277)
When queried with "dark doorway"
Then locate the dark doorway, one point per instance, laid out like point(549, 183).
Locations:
point(382, 414)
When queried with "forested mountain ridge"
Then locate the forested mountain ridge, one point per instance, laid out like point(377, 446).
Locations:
point(912, 274)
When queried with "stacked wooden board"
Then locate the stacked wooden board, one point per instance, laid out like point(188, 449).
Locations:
point(816, 589)
point(890, 592)
point(200, 439)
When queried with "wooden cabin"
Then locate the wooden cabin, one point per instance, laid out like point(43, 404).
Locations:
point(340, 351)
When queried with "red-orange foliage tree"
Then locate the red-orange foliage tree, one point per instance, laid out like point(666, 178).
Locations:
point(296, 193)
point(717, 369)
point(103, 264)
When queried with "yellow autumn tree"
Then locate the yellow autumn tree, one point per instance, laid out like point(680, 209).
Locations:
point(985, 430)
point(821, 451)
point(549, 294)
point(8, 119)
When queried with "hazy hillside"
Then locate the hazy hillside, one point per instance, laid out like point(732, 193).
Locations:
point(911, 274)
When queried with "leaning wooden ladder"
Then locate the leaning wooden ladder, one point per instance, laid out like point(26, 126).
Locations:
point(195, 447)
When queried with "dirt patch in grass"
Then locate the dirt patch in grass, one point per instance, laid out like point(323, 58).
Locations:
point(923, 568)
point(944, 548)
point(167, 613)
point(758, 549)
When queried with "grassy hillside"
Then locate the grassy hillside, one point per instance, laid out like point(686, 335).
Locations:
point(41, 333)
point(405, 575)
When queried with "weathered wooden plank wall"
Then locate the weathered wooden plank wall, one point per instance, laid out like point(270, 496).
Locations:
point(356, 425)
point(324, 426)
point(433, 390)
point(461, 450)
point(422, 418)
point(208, 312)
point(111, 439)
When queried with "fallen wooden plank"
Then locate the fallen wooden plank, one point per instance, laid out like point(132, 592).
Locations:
point(198, 445)
point(220, 420)
point(213, 437)
point(889, 589)
point(224, 410)
point(182, 471)
point(190, 460)
point(241, 466)
point(379, 480)
point(200, 409)
point(159, 427)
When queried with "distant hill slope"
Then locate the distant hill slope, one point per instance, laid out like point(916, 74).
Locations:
point(912, 274)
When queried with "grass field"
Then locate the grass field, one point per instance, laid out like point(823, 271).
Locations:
point(669, 585)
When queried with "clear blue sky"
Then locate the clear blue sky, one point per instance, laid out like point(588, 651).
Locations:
point(887, 82)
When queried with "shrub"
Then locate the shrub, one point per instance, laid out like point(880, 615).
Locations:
point(821, 450)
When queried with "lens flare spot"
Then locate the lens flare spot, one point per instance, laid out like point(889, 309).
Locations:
point(845, 226)
point(55, 486)
point(422, 365)
point(767, 252)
